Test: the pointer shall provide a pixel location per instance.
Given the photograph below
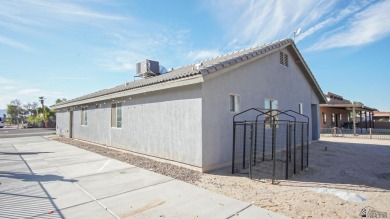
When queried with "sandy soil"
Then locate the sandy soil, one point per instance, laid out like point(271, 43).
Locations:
point(349, 175)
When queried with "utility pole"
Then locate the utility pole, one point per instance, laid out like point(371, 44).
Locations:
point(42, 99)
point(17, 115)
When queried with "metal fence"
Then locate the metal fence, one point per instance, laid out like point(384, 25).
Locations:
point(270, 149)
point(369, 133)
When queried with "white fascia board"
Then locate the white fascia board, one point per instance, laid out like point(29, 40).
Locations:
point(162, 86)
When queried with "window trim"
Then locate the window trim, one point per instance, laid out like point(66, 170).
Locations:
point(324, 118)
point(117, 108)
point(236, 103)
point(300, 108)
point(271, 101)
point(84, 116)
point(333, 118)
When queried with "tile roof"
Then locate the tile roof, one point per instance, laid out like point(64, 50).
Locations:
point(207, 67)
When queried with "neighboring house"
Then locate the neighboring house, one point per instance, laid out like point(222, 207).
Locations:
point(381, 116)
point(381, 120)
point(340, 112)
point(185, 115)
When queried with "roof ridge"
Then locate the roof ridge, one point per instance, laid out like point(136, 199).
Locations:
point(231, 53)
point(229, 59)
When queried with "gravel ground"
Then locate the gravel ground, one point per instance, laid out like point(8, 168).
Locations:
point(176, 172)
point(350, 175)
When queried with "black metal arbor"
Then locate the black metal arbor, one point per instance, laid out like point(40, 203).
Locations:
point(270, 144)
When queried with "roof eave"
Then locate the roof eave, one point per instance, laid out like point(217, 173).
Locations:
point(156, 87)
point(314, 83)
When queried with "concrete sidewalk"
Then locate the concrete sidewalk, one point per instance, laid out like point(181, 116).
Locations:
point(48, 179)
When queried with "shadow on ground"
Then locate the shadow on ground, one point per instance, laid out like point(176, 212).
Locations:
point(34, 177)
point(23, 153)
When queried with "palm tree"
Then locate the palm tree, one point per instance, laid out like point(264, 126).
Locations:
point(42, 99)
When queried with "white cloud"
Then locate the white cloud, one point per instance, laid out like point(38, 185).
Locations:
point(38, 18)
point(71, 78)
point(168, 46)
point(197, 55)
point(120, 60)
point(7, 88)
point(29, 91)
point(66, 10)
point(350, 9)
point(260, 21)
point(5, 80)
point(364, 27)
point(10, 42)
point(42, 13)
point(254, 22)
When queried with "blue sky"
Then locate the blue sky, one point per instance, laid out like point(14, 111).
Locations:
point(65, 49)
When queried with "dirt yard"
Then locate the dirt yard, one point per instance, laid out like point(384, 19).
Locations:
point(344, 176)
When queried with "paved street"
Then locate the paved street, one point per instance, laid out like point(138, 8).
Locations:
point(15, 133)
point(48, 179)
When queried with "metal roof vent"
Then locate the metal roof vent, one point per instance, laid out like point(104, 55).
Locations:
point(198, 65)
point(148, 68)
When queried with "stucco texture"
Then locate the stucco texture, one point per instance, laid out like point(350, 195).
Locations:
point(165, 124)
point(253, 82)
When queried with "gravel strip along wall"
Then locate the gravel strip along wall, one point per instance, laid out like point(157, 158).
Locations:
point(176, 172)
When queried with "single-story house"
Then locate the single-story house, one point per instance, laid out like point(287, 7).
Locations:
point(342, 113)
point(381, 116)
point(185, 115)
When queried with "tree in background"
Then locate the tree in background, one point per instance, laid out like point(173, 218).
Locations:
point(357, 103)
point(36, 116)
point(60, 100)
point(34, 110)
point(14, 110)
point(28, 108)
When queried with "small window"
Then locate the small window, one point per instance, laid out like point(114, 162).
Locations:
point(341, 117)
point(116, 115)
point(333, 118)
point(234, 103)
point(300, 108)
point(324, 118)
point(119, 115)
point(283, 59)
point(84, 116)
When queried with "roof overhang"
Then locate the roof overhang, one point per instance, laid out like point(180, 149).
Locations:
point(193, 76)
point(162, 86)
point(357, 107)
point(298, 60)
point(307, 72)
